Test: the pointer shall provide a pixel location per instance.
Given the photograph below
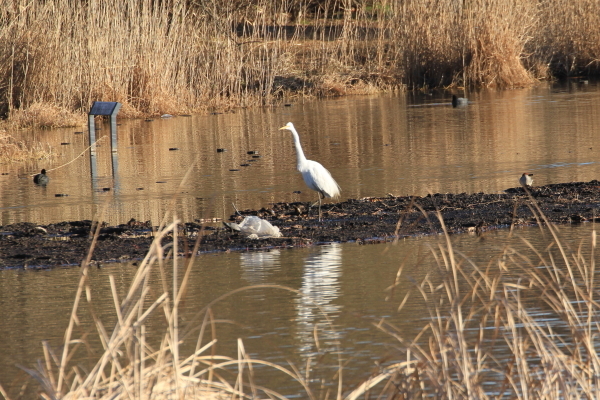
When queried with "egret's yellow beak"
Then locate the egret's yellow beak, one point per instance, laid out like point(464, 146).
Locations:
point(283, 127)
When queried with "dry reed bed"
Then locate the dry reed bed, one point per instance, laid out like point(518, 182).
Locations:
point(484, 338)
point(130, 367)
point(523, 326)
point(176, 56)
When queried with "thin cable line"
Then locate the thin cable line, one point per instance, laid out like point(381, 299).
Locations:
point(80, 154)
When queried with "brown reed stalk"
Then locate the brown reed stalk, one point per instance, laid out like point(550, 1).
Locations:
point(176, 56)
point(129, 367)
point(482, 327)
point(72, 320)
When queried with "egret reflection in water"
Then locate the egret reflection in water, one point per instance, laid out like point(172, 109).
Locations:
point(256, 267)
point(320, 289)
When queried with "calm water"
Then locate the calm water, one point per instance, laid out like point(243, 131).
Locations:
point(348, 283)
point(400, 144)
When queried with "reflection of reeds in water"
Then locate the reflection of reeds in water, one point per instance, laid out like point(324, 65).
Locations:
point(515, 328)
point(132, 366)
point(13, 150)
point(476, 151)
point(176, 56)
point(482, 335)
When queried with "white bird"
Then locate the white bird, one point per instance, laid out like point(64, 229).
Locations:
point(315, 175)
point(526, 179)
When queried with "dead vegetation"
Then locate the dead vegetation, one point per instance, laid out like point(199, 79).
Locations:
point(40, 115)
point(177, 56)
point(524, 325)
point(133, 364)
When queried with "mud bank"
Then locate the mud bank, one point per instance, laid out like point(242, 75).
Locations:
point(367, 220)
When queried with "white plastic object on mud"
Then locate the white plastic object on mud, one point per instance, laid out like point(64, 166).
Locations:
point(257, 228)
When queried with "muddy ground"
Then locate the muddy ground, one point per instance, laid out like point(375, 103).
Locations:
point(367, 220)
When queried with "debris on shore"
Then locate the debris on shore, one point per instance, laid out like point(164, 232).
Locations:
point(366, 220)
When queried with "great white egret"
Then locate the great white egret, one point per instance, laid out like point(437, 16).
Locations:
point(41, 178)
point(526, 179)
point(315, 175)
point(459, 101)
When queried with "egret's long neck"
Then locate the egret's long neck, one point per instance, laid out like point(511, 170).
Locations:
point(300, 158)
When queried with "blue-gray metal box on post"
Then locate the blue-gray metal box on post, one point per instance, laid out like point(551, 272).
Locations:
point(105, 108)
point(109, 108)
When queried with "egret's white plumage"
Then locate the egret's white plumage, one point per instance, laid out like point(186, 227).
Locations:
point(315, 175)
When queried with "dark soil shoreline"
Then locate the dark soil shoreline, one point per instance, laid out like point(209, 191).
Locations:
point(367, 220)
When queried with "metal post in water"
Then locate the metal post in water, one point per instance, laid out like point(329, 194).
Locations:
point(108, 108)
point(92, 137)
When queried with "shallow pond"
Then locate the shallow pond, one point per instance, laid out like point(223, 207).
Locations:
point(397, 143)
point(405, 144)
point(345, 284)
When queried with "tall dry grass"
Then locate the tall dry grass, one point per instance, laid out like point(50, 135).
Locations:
point(524, 326)
point(178, 56)
point(132, 365)
point(568, 43)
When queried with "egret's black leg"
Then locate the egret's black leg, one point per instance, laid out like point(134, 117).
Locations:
point(320, 206)
point(321, 196)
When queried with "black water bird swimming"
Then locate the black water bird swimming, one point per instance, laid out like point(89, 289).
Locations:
point(41, 178)
point(459, 101)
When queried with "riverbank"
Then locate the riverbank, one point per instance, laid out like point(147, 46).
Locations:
point(367, 220)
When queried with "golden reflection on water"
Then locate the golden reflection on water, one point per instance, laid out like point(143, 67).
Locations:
point(343, 292)
point(402, 144)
